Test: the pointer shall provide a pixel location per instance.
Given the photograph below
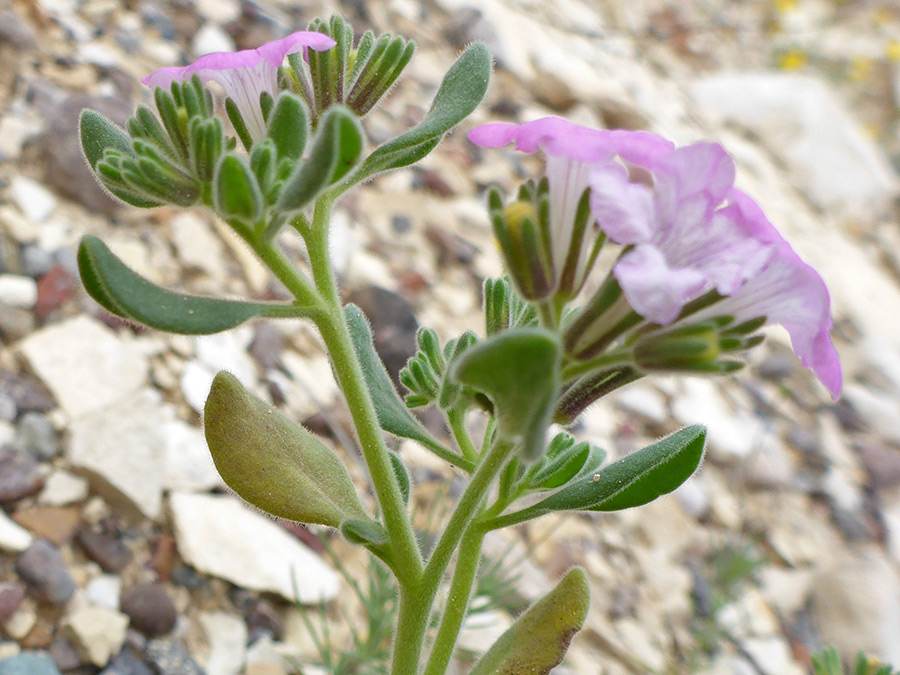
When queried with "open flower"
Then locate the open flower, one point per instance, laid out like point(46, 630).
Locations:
point(246, 74)
point(573, 152)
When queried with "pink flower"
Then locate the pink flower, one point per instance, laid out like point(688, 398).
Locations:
point(687, 231)
point(246, 74)
point(573, 152)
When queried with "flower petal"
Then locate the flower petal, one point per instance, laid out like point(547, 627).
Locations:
point(623, 210)
point(655, 290)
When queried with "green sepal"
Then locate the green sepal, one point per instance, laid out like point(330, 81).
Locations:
point(634, 480)
point(519, 370)
point(124, 293)
point(364, 533)
point(461, 90)
point(504, 308)
point(336, 148)
point(393, 416)
point(383, 66)
point(237, 123)
point(207, 137)
point(289, 126)
point(540, 637)
point(273, 463)
point(236, 192)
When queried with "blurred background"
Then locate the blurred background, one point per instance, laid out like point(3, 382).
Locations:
point(121, 551)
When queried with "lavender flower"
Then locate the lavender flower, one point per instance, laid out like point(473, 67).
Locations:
point(246, 74)
point(573, 153)
point(687, 231)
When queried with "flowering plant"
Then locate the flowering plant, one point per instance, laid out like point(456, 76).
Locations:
point(698, 271)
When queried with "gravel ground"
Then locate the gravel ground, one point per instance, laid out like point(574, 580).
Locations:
point(122, 553)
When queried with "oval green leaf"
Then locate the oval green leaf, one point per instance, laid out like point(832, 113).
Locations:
point(273, 463)
point(539, 639)
point(124, 293)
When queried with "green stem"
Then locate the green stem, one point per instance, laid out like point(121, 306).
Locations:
point(275, 259)
point(333, 327)
point(613, 359)
point(412, 624)
point(456, 419)
point(458, 601)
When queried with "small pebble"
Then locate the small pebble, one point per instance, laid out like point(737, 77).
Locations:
point(36, 262)
point(150, 609)
point(20, 477)
point(18, 291)
point(43, 570)
point(11, 596)
point(28, 663)
point(170, 657)
point(36, 436)
point(105, 549)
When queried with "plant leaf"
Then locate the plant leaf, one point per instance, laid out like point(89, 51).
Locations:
point(461, 90)
point(236, 193)
point(540, 638)
point(124, 293)
point(273, 463)
point(393, 416)
point(519, 371)
point(636, 479)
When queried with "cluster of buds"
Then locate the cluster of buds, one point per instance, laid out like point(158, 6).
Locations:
point(699, 269)
point(293, 105)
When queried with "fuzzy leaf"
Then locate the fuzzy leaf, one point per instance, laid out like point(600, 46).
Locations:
point(273, 463)
point(461, 90)
point(237, 194)
point(289, 125)
point(124, 293)
point(636, 479)
point(393, 416)
point(519, 371)
point(540, 638)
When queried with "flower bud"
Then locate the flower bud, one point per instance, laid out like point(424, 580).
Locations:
point(520, 233)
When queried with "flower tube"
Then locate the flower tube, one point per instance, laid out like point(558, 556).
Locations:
point(245, 75)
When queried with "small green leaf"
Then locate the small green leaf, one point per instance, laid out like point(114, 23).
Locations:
point(335, 150)
point(120, 291)
point(461, 90)
point(539, 639)
point(519, 371)
point(562, 468)
point(289, 125)
point(236, 192)
point(636, 479)
point(273, 463)
point(393, 415)
point(364, 532)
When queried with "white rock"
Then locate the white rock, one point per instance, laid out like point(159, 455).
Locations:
point(32, 198)
point(196, 379)
point(856, 604)
point(104, 591)
point(642, 400)
point(800, 117)
point(222, 351)
point(880, 411)
point(8, 649)
point(122, 448)
point(227, 636)
point(211, 38)
point(731, 434)
point(221, 536)
point(98, 54)
point(13, 537)
point(188, 465)
point(693, 497)
point(22, 621)
point(18, 226)
point(62, 487)
point(482, 629)
point(18, 291)
point(197, 246)
point(96, 632)
point(14, 132)
point(84, 364)
point(7, 432)
point(220, 11)
point(773, 655)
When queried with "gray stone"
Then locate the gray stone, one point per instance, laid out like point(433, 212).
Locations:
point(16, 33)
point(125, 663)
point(20, 476)
point(394, 325)
point(85, 364)
point(11, 596)
point(188, 464)
point(28, 663)
point(36, 436)
point(222, 537)
point(132, 473)
point(15, 323)
point(43, 570)
point(36, 262)
point(170, 657)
